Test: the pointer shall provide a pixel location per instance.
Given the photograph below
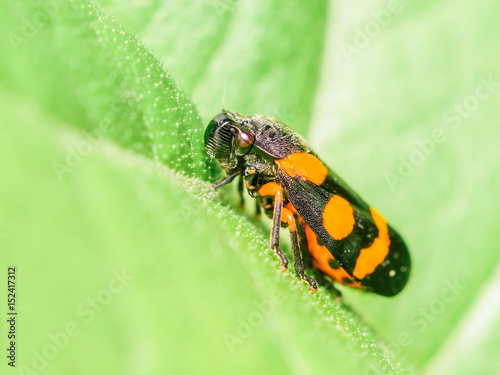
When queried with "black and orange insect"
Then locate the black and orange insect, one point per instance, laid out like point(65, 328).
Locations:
point(347, 240)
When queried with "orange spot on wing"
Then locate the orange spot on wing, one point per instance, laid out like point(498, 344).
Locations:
point(304, 165)
point(370, 257)
point(338, 217)
point(322, 257)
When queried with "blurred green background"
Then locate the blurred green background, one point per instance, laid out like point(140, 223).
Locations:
point(128, 263)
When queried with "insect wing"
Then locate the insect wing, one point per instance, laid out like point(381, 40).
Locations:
point(355, 234)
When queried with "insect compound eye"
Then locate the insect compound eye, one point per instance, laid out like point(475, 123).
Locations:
point(244, 140)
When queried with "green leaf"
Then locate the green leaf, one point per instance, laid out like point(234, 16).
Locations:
point(250, 56)
point(213, 294)
point(127, 261)
point(108, 83)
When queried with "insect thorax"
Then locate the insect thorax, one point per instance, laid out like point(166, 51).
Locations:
point(258, 171)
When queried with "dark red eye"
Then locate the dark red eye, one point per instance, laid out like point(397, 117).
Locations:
point(244, 139)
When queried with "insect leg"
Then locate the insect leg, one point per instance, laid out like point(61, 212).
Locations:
point(240, 192)
point(288, 217)
point(226, 180)
point(257, 210)
point(306, 255)
point(327, 283)
point(275, 234)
